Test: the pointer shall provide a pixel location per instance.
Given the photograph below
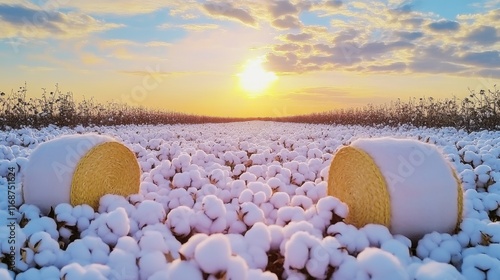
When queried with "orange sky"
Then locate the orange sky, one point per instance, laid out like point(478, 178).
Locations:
point(189, 56)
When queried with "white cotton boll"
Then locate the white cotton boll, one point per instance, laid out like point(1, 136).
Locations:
point(7, 275)
point(45, 248)
point(248, 177)
point(256, 187)
point(349, 269)
point(152, 241)
point(150, 263)
point(208, 189)
point(128, 244)
point(277, 236)
point(305, 251)
point(376, 234)
point(329, 204)
point(439, 247)
point(180, 220)
point(280, 199)
point(179, 270)
point(336, 252)
point(181, 180)
point(398, 249)
point(259, 198)
point(431, 270)
point(213, 207)
point(123, 264)
point(480, 266)
point(149, 213)
point(213, 254)
point(45, 273)
point(381, 265)
point(237, 268)
point(301, 201)
point(88, 272)
point(258, 235)
point(275, 183)
point(353, 239)
point(237, 187)
point(246, 196)
point(88, 250)
point(43, 224)
point(302, 226)
point(188, 248)
point(251, 213)
point(289, 214)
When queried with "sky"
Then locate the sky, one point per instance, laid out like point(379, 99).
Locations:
point(250, 58)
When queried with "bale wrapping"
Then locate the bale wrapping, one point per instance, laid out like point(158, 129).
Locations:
point(403, 184)
point(79, 169)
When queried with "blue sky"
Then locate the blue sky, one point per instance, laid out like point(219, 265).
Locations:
point(330, 53)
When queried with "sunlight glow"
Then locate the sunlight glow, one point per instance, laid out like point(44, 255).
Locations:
point(255, 79)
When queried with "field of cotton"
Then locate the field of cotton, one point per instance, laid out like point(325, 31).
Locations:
point(242, 201)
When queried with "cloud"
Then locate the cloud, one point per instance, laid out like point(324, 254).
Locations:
point(287, 22)
point(334, 3)
point(410, 36)
point(282, 7)
point(227, 10)
point(489, 59)
point(444, 25)
point(21, 21)
point(484, 35)
point(287, 47)
point(301, 37)
point(123, 43)
point(393, 67)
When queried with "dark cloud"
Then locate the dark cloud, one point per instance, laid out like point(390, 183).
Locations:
point(414, 21)
point(346, 35)
point(287, 22)
point(444, 25)
point(410, 36)
point(403, 9)
point(229, 11)
point(334, 3)
point(489, 59)
point(284, 63)
point(483, 35)
point(34, 19)
point(282, 7)
point(372, 50)
point(301, 37)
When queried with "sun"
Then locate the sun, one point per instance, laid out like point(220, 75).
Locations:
point(254, 79)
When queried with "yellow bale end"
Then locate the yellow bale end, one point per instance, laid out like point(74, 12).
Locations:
point(108, 168)
point(355, 179)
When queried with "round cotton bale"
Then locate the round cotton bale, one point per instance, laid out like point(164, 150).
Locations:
point(79, 169)
point(404, 184)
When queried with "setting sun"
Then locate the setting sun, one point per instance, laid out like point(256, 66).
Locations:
point(254, 79)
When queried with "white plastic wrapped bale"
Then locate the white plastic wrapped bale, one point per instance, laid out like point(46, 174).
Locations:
point(404, 184)
point(79, 169)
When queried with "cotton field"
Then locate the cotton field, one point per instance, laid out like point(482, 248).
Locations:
point(242, 201)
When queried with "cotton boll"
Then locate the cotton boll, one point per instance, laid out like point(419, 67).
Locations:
point(150, 263)
point(280, 199)
point(303, 250)
point(237, 268)
point(87, 272)
point(481, 266)
point(128, 244)
point(301, 201)
point(45, 273)
point(43, 224)
point(289, 214)
point(46, 250)
point(431, 270)
point(216, 244)
point(439, 247)
point(149, 213)
point(376, 234)
point(179, 270)
point(353, 239)
point(188, 248)
point(258, 235)
point(381, 265)
point(237, 187)
point(88, 250)
point(123, 264)
point(256, 187)
point(398, 249)
point(251, 213)
point(180, 220)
